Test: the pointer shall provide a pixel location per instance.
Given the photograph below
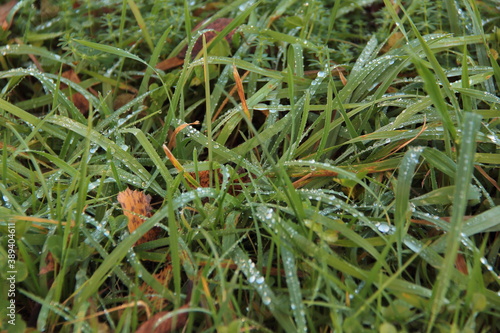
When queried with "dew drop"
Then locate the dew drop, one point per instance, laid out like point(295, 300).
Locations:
point(321, 74)
point(384, 228)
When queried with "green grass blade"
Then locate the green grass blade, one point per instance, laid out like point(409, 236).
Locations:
point(29, 49)
point(108, 145)
point(141, 23)
point(149, 149)
point(257, 281)
point(487, 221)
point(463, 178)
point(113, 50)
point(294, 288)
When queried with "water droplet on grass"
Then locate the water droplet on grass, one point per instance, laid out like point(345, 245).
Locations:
point(384, 228)
point(321, 74)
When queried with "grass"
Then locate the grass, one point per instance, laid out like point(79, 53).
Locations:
point(354, 150)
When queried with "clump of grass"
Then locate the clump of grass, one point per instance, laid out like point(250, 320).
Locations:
point(364, 153)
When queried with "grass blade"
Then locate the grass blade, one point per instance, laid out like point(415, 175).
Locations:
point(294, 288)
point(463, 178)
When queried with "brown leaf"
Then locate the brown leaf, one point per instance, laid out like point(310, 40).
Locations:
point(164, 277)
point(202, 179)
point(234, 188)
point(172, 141)
point(136, 206)
point(49, 267)
point(165, 326)
point(169, 63)
point(4, 12)
point(209, 7)
point(159, 324)
point(122, 99)
point(71, 75)
point(78, 99)
point(461, 264)
point(394, 41)
point(218, 25)
point(241, 92)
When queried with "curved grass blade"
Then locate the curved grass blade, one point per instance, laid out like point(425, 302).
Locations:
point(111, 50)
point(107, 145)
point(463, 179)
point(28, 49)
point(403, 189)
point(487, 221)
point(149, 149)
point(257, 281)
point(283, 228)
point(294, 288)
point(31, 119)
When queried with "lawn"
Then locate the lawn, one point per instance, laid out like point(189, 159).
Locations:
point(250, 166)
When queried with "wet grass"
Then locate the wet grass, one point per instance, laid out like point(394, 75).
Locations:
point(355, 151)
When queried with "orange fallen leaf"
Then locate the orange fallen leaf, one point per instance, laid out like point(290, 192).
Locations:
point(172, 141)
point(461, 264)
point(169, 63)
point(226, 100)
point(241, 92)
point(394, 41)
point(342, 77)
point(156, 324)
point(164, 277)
point(50, 265)
point(162, 323)
point(122, 99)
point(136, 206)
point(4, 13)
point(78, 99)
point(217, 26)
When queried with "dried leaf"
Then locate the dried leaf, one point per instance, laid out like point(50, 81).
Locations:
point(169, 63)
point(4, 13)
point(342, 77)
point(163, 277)
point(234, 188)
point(156, 324)
point(172, 141)
point(217, 25)
point(136, 206)
point(394, 41)
point(226, 100)
point(150, 326)
point(204, 177)
point(122, 99)
point(461, 264)
point(50, 265)
point(209, 7)
point(179, 167)
point(241, 92)
point(71, 75)
point(78, 99)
